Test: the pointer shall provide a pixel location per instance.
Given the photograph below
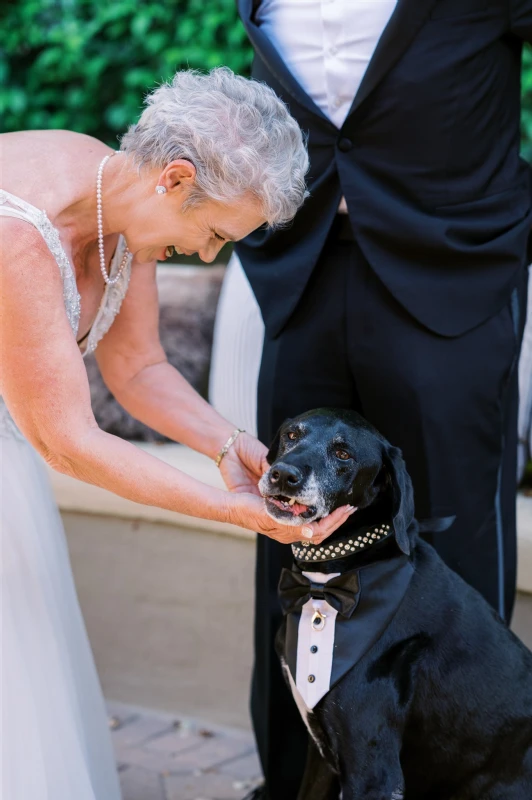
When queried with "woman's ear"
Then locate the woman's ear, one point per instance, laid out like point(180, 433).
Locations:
point(402, 495)
point(180, 172)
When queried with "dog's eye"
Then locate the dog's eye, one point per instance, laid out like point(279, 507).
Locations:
point(342, 455)
point(292, 435)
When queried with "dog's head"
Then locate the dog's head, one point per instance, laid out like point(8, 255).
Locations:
point(328, 458)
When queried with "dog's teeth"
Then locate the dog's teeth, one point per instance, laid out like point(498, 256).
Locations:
point(291, 501)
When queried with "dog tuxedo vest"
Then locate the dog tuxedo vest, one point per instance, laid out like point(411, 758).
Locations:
point(333, 619)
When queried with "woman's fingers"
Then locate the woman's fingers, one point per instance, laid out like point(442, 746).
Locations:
point(242, 466)
point(250, 513)
point(322, 529)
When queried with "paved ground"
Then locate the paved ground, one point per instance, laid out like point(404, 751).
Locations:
point(166, 758)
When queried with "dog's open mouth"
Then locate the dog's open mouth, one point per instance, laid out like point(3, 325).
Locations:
point(289, 507)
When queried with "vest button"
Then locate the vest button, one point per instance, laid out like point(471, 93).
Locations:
point(311, 678)
point(345, 145)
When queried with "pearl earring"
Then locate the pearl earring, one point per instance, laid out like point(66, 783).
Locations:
point(160, 189)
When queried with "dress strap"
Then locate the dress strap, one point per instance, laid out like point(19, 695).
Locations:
point(13, 206)
point(18, 208)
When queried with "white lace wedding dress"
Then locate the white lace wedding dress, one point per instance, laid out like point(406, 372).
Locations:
point(55, 742)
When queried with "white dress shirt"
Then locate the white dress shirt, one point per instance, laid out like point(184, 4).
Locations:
point(316, 663)
point(327, 45)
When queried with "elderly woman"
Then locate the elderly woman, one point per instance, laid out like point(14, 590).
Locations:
point(212, 158)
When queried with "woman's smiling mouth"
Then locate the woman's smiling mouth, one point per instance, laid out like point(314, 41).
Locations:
point(171, 249)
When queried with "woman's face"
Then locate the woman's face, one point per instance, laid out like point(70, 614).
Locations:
point(159, 221)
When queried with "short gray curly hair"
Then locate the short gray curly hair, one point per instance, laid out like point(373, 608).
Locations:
point(238, 134)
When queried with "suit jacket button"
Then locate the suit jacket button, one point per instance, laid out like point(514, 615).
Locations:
point(345, 145)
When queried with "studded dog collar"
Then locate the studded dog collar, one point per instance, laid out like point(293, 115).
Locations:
point(305, 551)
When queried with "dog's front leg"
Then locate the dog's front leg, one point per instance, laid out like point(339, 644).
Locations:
point(319, 780)
point(380, 779)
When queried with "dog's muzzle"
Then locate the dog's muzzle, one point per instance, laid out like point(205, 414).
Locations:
point(292, 504)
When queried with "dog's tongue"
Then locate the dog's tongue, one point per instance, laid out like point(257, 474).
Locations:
point(295, 508)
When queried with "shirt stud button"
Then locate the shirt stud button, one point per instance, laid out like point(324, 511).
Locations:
point(314, 648)
point(311, 678)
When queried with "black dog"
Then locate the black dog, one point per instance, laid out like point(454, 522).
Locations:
point(409, 683)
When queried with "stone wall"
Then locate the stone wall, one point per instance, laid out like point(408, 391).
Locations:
point(188, 297)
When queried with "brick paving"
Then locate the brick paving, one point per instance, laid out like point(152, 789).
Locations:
point(163, 757)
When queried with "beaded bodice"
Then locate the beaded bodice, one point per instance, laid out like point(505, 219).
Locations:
point(12, 206)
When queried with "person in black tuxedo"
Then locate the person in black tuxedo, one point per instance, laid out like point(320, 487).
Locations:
point(409, 308)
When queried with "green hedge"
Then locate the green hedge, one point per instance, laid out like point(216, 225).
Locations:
point(526, 114)
point(85, 65)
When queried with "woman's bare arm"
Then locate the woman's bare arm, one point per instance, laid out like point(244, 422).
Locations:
point(134, 367)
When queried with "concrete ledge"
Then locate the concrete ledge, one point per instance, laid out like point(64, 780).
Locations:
point(76, 496)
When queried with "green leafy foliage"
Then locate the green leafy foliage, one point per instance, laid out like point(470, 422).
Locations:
point(85, 65)
point(526, 112)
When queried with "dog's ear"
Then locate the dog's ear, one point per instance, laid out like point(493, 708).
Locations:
point(402, 495)
point(273, 452)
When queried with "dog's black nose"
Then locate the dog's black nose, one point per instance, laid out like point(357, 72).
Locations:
point(286, 477)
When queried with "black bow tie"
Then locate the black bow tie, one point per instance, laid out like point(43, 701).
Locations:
point(341, 593)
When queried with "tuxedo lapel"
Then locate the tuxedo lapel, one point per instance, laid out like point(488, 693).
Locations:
point(405, 22)
point(267, 52)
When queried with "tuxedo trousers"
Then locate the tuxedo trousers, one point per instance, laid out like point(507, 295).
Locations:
point(450, 404)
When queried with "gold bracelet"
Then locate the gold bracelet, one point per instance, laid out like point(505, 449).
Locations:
point(232, 439)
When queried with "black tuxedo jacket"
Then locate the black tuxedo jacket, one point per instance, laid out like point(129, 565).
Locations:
point(428, 161)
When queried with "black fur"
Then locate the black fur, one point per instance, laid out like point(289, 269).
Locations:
point(440, 708)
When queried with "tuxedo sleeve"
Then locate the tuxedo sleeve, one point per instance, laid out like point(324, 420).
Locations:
point(521, 19)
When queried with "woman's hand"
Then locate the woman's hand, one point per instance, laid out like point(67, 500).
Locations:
point(249, 511)
point(244, 464)
point(242, 467)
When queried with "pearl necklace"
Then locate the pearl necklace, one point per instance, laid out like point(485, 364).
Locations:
point(109, 281)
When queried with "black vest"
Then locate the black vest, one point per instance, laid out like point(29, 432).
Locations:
point(427, 159)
